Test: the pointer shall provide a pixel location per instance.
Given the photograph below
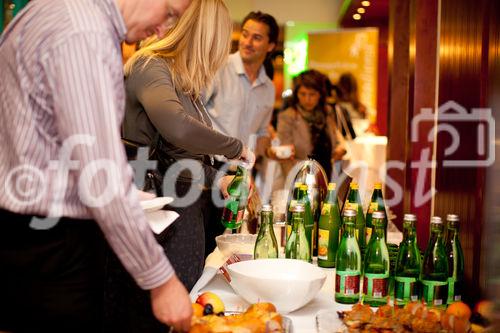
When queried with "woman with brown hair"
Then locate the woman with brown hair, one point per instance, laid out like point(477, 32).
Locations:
point(309, 124)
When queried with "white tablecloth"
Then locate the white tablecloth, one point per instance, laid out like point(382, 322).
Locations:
point(304, 318)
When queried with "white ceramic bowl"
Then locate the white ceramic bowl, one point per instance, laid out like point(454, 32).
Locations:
point(236, 244)
point(287, 283)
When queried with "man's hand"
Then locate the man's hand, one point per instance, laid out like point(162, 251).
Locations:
point(171, 305)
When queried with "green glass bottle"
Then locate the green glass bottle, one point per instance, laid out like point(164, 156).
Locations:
point(308, 217)
point(407, 272)
point(376, 265)
point(234, 206)
point(353, 202)
point(376, 204)
point(266, 245)
point(348, 263)
point(297, 245)
point(329, 229)
point(455, 256)
point(434, 274)
point(292, 201)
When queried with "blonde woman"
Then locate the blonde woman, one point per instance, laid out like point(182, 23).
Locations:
point(163, 84)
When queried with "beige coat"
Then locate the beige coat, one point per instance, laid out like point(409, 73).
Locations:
point(293, 129)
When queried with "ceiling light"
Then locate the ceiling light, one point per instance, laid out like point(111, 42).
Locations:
point(365, 3)
point(356, 17)
point(361, 10)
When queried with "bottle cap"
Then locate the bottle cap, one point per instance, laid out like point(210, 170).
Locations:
point(354, 185)
point(349, 213)
point(452, 218)
point(297, 184)
point(303, 187)
point(298, 208)
point(436, 220)
point(378, 186)
point(332, 186)
point(266, 208)
point(410, 217)
point(379, 214)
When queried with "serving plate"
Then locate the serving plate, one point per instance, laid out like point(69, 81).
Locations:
point(287, 322)
point(155, 204)
point(328, 321)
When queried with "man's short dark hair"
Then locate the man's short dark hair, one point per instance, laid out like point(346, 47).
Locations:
point(268, 20)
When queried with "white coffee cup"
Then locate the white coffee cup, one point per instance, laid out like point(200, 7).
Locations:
point(283, 152)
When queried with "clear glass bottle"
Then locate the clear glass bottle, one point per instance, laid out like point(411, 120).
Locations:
point(377, 265)
point(235, 205)
point(407, 272)
point(329, 229)
point(455, 257)
point(348, 263)
point(266, 245)
point(434, 274)
point(297, 245)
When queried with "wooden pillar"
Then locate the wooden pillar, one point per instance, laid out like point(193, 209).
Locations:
point(427, 23)
point(399, 69)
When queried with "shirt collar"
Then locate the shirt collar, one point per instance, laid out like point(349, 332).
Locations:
point(110, 8)
point(240, 69)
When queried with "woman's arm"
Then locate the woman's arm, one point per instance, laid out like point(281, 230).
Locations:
point(154, 89)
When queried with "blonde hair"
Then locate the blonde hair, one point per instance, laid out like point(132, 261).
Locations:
point(195, 48)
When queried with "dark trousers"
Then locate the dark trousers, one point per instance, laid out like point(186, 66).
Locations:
point(50, 280)
point(127, 307)
point(212, 221)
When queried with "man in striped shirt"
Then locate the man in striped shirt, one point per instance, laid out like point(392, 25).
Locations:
point(61, 105)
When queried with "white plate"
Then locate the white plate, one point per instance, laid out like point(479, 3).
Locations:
point(328, 321)
point(155, 204)
point(161, 220)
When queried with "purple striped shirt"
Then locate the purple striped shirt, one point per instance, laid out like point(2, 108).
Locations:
point(62, 82)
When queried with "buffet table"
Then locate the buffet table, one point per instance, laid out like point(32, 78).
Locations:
point(303, 319)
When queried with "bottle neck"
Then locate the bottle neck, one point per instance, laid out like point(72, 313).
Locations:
point(266, 220)
point(297, 220)
point(331, 197)
point(379, 232)
point(377, 194)
point(409, 234)
point(349, 228)
point(435, 238)
point(353, 195)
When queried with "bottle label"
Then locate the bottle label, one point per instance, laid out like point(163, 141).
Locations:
point(351, 205)
point(347, 283)
point(435, 293)
point(375, 285)
point(454, 290)
point(368, 232)
point(288, 230)
point(373, 207)
point(323, 240)
point(406, 289)
point(292, 204)
point(229, 216)
point(325, 210)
